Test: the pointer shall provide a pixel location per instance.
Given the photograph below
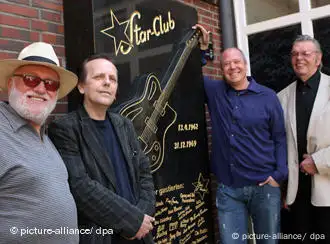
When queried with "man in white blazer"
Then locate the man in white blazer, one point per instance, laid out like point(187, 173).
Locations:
point(306, 105)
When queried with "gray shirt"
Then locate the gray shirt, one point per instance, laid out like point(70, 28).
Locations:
point(36, 205)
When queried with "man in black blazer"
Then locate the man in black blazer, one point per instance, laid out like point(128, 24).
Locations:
point(109, 175)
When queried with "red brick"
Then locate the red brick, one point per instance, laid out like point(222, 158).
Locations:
point(12, 45)
point(19, 10)
point(50, 38)
point(26, 2)
point(54, 28)
point(17, 34)
point(217, 49)
point(47, 5)
point(215, 15)
point(216, 63)
point(46, 26)
point(9, 32)
point(53, 39)
point(34, 36)
point(14, 21)
point(209, 21)
point(60, 51)
point(39, 25)
point(203, 5)
point(60, 29)
point(203, 12)
point(5, 55)
point(213, 65)
point(51, 16)
point(216, 42)
point(216, 29)
point(210, 70)
point(216, 36)
point(215, 8)
point(55, 1)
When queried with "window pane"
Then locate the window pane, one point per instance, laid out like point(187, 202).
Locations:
point(319, 3)
point(322, 34)
point(270, 56)
point(260, 10)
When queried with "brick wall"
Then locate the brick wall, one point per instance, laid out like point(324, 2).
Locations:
point(26, 21)
point(208, 16)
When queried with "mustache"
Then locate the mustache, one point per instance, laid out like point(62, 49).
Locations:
point(35, 94)
point(38, 114)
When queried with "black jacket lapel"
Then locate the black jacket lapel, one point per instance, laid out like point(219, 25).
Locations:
point(127, 149)
point(89, 134)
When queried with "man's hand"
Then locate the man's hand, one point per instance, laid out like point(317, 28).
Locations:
point(204, 40)
point(308, 166)
point(270, 181)
point(145, 227)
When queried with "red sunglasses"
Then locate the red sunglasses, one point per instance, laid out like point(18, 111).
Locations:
point(33, 81)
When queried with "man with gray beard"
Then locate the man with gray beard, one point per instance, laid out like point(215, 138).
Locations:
point(36, 205)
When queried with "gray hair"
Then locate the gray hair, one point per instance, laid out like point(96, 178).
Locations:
point(304, 38)
point(236, 48)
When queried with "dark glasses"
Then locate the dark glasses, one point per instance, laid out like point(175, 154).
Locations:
point(33, 81)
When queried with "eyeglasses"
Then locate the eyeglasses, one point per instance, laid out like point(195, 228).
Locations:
point(33, 81)
point(305, 54)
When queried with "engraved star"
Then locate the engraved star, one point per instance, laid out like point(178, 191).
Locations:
point(201, 186)
point(118, 29)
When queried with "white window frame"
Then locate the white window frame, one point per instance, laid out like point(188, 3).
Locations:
point(305, 17)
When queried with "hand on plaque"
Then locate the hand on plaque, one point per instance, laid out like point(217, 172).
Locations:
point(204, 40)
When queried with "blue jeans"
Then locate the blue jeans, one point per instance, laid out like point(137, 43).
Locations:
point(235, 205)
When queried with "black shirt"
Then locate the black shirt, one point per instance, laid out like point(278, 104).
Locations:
point(305, 97)
point(110, 142)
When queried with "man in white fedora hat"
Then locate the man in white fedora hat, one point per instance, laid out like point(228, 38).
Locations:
point(36, 205)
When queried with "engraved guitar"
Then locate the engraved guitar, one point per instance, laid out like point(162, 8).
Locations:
point(151, 114)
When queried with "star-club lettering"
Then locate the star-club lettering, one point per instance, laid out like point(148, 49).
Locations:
point(159, 27)
point(137, 35)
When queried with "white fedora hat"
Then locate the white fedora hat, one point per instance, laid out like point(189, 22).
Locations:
point(39, 53)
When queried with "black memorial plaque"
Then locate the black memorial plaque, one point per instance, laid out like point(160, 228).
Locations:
point(161, 91)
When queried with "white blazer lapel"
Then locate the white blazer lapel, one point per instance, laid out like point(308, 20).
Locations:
point(292, 111)
point(322, 98)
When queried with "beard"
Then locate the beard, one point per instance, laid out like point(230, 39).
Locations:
point(35, 113)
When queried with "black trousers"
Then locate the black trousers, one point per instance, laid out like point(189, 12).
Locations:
point(305, 220)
